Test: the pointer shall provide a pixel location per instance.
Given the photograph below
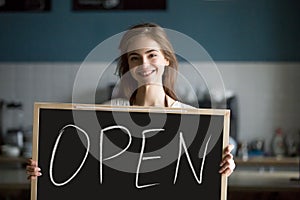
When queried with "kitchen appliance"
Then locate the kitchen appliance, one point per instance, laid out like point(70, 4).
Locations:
point(1, 122)
point(232, 105)
point(11, 122)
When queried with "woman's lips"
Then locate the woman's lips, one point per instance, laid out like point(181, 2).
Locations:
point(146, 73)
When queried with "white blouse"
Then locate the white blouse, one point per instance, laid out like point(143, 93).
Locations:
point(125, 102)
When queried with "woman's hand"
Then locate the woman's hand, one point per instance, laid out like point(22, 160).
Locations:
point(227, 165)
point(32, 170)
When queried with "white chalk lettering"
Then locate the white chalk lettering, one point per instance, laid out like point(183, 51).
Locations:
point(182, 150)
point(182, 144)
point(145, 158)
point(61, 132)
point(101, 147)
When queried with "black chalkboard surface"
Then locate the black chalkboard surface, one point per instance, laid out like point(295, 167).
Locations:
point(102, 152)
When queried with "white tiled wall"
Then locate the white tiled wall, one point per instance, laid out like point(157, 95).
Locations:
point(30, 82)
point(268, 93)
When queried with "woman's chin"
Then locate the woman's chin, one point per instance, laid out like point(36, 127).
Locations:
point(150, 83)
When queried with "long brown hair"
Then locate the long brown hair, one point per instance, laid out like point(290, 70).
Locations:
point(128, 85)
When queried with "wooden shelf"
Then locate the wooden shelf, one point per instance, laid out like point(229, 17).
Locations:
point(268, 161)
point(7, 159)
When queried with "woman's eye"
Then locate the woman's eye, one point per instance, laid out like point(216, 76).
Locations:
point(152, 55)
point(133, 58)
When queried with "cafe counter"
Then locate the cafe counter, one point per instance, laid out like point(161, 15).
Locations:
point(242, 184)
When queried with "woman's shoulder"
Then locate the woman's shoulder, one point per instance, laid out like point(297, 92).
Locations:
point(118, 102)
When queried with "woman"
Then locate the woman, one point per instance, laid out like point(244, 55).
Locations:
point(147, 68)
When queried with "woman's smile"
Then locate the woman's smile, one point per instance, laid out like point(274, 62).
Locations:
point(145, 73)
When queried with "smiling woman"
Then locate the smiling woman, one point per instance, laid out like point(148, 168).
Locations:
point(147, 68)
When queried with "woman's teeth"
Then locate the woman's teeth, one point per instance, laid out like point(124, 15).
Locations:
point(146, 73)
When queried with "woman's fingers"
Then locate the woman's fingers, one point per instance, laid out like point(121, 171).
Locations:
point(226, 158)
point(32, 170)
point(227, 165)
point(31, 162)
point(228, 149)
point(227, 172)
point(33, 174)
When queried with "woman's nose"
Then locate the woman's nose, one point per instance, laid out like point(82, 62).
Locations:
point(145, 61)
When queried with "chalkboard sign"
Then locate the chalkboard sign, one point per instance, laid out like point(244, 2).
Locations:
point(103, 152)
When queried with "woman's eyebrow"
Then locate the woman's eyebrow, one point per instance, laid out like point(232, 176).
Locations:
point(151, 50)
point(136, 54)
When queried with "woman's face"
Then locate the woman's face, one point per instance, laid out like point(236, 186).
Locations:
point(146, 61)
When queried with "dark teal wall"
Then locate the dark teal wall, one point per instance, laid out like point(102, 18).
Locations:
point(230, 30)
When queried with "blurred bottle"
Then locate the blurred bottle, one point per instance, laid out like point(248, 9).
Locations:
point(243, 151)
point(278, 144)
point(292, 141)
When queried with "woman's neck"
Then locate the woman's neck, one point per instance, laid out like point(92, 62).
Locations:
point(151, 95)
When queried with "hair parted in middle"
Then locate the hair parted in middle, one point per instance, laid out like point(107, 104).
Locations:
point(128, 85)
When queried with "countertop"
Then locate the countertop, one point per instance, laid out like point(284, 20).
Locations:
point(13, 179)
point(263, 181)
point(240, 180)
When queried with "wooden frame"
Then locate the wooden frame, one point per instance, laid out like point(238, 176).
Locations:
point(118, 5)
point(25, 6)
point(86, 107)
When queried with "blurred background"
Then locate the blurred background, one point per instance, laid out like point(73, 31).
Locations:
point(254, 44)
